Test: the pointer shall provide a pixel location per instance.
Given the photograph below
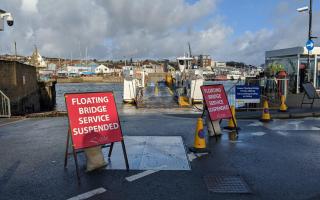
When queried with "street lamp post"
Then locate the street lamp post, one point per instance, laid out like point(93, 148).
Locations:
point(310, 37)
point(310, 21)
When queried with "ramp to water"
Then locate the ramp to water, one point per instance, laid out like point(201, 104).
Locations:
point(157, 96)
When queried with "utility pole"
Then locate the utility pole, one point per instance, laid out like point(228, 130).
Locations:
point(310, 21)
point(309, 36)
point(15, 50)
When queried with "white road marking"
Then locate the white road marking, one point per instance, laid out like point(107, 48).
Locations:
point(140, 175)
point(88, 194)
point(295, 122)
point(282, 133)
point(237, 141)
point(256, 124)
point(314, 128)
point(192, 156)
point(143, 174)
point(258, 133)
point(20, 120)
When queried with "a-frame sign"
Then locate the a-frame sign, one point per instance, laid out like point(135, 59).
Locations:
point(216, 103)
point(93, 121)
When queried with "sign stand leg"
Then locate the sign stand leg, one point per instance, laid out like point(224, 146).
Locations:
point(110, 150)
point(76, 163)
point(67, 149)
point(125, 154)
point(215, 134)
point(235, 125)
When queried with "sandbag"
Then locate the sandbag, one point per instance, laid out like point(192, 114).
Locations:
point(95, 158)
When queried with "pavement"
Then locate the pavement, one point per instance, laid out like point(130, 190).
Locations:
point(275, 160)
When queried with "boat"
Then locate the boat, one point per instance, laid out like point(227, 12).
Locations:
point(220, 77)
point(235, 75)
point(188, 81)
point(130, 85)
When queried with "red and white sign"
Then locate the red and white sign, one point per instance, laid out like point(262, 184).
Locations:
point(216, 101)
point(93, 119)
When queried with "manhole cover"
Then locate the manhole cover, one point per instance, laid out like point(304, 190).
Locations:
point(226, 184)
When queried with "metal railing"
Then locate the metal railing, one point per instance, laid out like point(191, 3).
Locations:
point(271, 88)
point(5, 110)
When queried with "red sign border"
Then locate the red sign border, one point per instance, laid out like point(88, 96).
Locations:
point(69, 128)
point(225, 97)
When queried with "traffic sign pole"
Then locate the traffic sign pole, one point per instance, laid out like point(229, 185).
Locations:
point(309, 46)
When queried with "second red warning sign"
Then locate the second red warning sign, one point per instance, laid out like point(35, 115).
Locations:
point(216, 101)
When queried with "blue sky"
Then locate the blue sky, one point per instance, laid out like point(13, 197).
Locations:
point(253, 15)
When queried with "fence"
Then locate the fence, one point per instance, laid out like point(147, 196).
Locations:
point(4, 105)
point(271, 89)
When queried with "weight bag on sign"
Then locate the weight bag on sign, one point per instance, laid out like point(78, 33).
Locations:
point(95, 159)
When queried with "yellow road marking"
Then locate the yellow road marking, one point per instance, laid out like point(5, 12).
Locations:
point(170, 91)
point(156, 90)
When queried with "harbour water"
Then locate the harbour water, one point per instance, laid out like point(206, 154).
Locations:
point(117, 88)
point(62, 88)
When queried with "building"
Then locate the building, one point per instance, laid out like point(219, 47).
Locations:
point(152, 68)
point(295, 63)
point(220, 64)
point(37, 61)
point(79, 69)
point(203, 61)
point(102, 69)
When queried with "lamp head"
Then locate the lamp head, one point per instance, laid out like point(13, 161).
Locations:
point(303, 9)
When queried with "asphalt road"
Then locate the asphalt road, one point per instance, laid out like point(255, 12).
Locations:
point(278, 160)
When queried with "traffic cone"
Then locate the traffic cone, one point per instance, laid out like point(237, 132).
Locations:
point(232, 125)
point(199, 139)
point(283, 106)
point(265, 112)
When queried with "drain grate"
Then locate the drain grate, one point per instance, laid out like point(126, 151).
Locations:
point(226, 184)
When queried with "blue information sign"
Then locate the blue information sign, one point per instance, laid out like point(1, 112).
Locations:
point(310, 45)
point(247, 94)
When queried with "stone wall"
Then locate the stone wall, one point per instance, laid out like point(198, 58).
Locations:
point(47, 92)
point(19, 82)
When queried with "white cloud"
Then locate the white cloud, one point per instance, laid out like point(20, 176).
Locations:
point(142, 29)
point(29, 5)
